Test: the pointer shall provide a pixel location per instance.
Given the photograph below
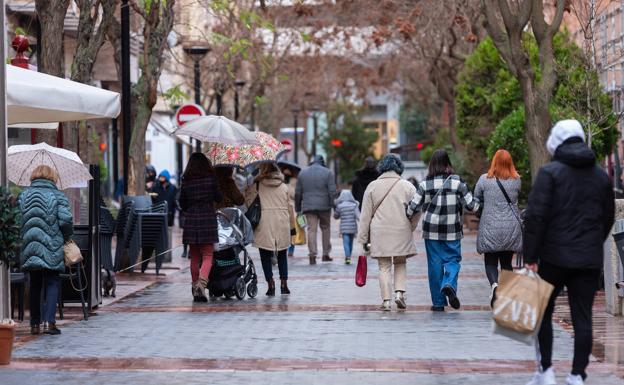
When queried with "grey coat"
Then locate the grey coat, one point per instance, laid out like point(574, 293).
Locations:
point(315, 190)
point(348, 211)
point(499, 229)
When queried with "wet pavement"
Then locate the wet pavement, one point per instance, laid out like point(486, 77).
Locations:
point(327, 330)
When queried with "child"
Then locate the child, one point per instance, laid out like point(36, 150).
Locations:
point(347, 210)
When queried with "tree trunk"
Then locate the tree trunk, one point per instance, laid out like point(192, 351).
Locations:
point(51, 14)
point(536, 125)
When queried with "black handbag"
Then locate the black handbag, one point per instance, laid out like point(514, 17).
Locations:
point(254, 211)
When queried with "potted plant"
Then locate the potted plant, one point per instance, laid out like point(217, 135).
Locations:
point(10, 223)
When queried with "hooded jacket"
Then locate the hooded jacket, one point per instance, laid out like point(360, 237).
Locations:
point(166, 193)
point(570, 210)
point(348, 211)
point(277, 218)
point(47, 223)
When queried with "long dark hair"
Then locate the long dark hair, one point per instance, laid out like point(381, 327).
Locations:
point(439, 164)
point(198, 167)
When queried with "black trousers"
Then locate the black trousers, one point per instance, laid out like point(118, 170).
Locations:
point(267, 267)
point(582, 285)
point(491, 264)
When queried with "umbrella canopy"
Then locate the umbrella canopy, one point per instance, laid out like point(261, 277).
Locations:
point(34, 97)
point(243, 156)
point(218, 129)
point(23, 159)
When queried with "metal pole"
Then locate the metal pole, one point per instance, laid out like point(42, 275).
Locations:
point(115, 153)
point(5, 289)
point(296, 144)
point(315, 133)
point(236, 104)
point(126, 107)
point(219, 102)
point(198, 144)
point(253, 115)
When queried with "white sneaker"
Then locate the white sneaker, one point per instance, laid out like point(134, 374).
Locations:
point(386, 305)
point(400, 300)
point(544, 378)
point(574, 379)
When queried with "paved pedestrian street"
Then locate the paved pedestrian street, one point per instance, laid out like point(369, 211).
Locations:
point(327, 331)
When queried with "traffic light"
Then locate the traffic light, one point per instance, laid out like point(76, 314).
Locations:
point(419, 146)
point(336, 142)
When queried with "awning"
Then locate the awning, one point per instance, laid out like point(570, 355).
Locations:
point(34, 97)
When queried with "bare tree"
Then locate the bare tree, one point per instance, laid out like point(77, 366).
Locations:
point(506, 22)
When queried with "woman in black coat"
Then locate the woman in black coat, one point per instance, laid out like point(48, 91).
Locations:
point(198, 194)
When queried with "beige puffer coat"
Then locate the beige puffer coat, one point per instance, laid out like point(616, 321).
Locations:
point(273, 231)
point(390, 229)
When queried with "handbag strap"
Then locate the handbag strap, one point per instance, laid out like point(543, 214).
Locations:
point(502, 188)
point(440, 189)
point(380, 202)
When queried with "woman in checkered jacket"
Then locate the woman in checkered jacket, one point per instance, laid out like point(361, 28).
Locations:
point(441, 197)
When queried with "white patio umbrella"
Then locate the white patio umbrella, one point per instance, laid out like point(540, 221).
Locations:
point(34, 97)
point(23, 159)
point(218, 129)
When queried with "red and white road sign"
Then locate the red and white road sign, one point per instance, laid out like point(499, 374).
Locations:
point(188, 112)
point(288, 144)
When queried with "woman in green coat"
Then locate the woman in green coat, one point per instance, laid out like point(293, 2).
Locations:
point(47, 224)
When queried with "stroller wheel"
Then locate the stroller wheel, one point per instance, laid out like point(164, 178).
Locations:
point(240, 288)
point(252, 289)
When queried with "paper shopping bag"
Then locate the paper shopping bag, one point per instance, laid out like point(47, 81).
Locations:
point(300, 236)
point(521, 299)
point(361, 271)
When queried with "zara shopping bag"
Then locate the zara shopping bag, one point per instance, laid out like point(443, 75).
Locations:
point(521, 299)
point(361, 271)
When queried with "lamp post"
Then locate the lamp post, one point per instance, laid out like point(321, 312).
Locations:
point(315, 111)
point(126, 98)
point(197, 53)
point(295, 112)
point(238, 85)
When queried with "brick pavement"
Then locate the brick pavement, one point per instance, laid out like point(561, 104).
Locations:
point(327, 330)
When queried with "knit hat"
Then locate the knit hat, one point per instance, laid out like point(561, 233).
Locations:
point(562, 131)
point(390, 162)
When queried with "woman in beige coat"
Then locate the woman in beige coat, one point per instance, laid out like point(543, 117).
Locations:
point(276, 224)
point(385, 231)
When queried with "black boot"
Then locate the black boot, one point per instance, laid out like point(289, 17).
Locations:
point(284, 286)
point(271, 291)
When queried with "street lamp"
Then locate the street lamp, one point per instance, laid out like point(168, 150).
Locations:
point(197, 53)
point(315, 111)
point(238, 85)
point(295, 112)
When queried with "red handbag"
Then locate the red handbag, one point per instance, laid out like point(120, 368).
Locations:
point(360, 271)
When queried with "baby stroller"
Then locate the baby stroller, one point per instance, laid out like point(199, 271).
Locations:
point(228, 277)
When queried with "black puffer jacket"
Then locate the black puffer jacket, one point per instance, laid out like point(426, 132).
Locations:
point(362, 179)
point(570, 211)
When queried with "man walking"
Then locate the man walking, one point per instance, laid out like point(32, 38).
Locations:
point(314, 197)
point(569, 216)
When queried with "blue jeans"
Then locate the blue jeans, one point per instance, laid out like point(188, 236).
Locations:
point(347, 243)
point(267, 267)
point(443, 258)
point(49, 281)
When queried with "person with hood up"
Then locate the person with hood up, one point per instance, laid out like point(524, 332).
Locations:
point(314, 196)
point(363, 178)
point(277, 223)
point(166, 192)
point(569, 216)
point(348, 211)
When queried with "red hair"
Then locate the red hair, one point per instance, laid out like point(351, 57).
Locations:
point(502, 166)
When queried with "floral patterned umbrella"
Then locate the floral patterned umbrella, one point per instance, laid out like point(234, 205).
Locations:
point(242, 156)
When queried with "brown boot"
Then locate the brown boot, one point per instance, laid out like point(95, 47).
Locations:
point(271, 291)
point(284, 287)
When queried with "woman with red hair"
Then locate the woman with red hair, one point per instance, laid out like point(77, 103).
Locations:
point(500, 230)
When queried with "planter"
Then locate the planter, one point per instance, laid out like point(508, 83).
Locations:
point(7, 333)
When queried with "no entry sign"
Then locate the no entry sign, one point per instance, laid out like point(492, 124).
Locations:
point(188, 112)
point(288, 144)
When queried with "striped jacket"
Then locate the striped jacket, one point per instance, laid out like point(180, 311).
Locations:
point(441, 199)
